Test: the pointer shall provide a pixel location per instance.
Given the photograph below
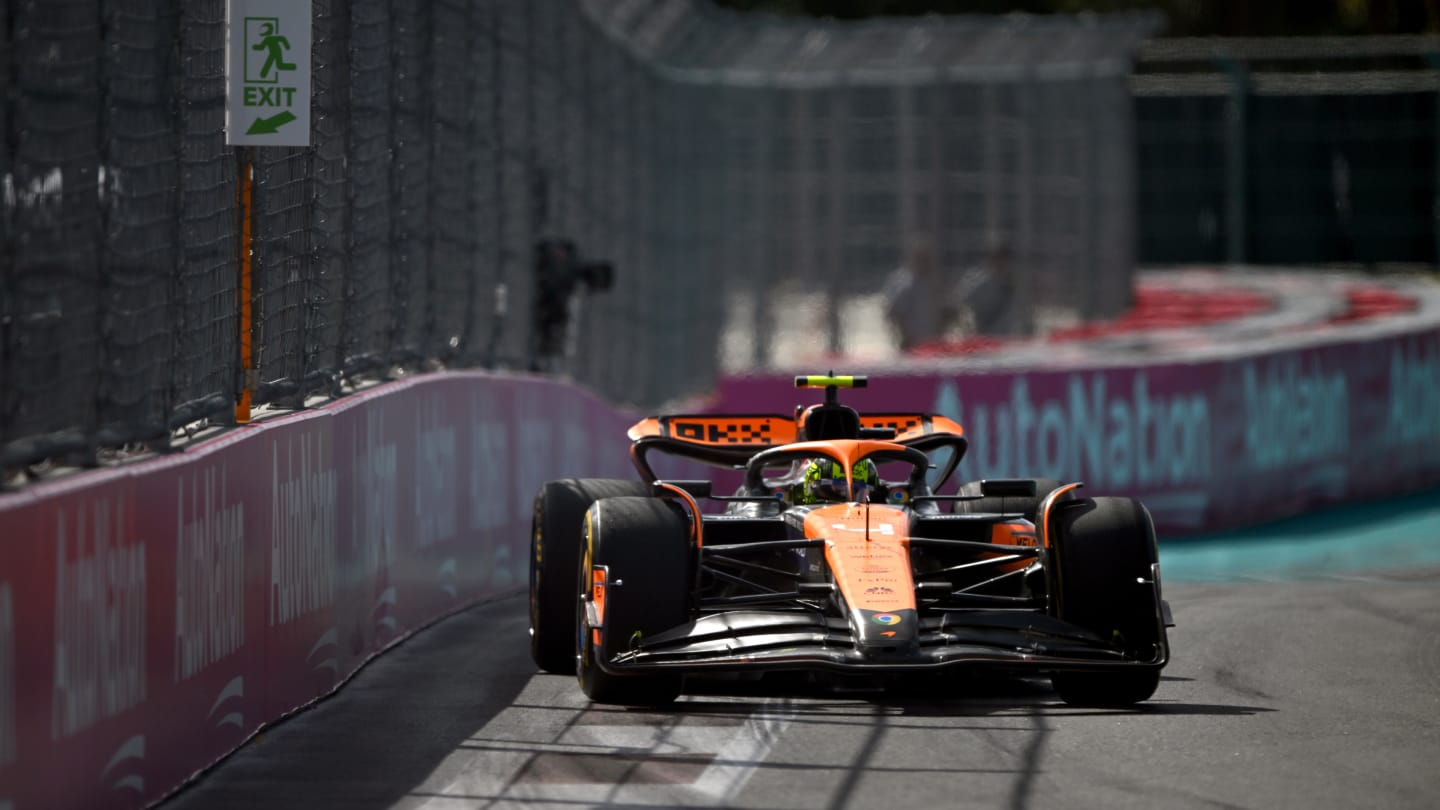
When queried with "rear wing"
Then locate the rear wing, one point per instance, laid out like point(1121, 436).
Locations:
point(730, 440)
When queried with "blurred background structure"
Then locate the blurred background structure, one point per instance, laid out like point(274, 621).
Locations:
point(1317, 150)
point(744, 174)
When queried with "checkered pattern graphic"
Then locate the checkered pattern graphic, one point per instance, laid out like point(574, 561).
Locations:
point(900, 423)
point(752, 433)
point(688, 430)
point(723, 432)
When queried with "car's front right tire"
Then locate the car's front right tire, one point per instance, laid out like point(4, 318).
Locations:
point(644, 546)
point(556, 538)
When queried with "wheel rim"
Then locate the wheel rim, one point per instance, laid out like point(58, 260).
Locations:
point(583, 651)
point(536, 557)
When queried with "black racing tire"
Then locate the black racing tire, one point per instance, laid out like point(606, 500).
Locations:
point(1029, 506)
point(1104, 549)
point(645, 543)
point(556, 538)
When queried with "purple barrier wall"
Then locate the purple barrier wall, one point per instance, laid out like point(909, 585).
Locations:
point(153, 616)
point(1207, 445)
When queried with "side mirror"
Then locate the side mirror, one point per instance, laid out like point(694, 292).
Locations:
point(696, 489)
point(1007, 488)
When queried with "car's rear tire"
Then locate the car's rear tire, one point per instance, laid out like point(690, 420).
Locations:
point(1029, 506)
point(1104, 549)
point(556, 538)
point(645, 544)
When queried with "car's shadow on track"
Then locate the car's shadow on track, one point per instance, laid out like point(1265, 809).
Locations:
point(923, 697)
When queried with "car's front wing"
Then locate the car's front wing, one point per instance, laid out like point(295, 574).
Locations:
point(742, 640)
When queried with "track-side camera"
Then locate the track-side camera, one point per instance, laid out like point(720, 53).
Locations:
point(560, 273)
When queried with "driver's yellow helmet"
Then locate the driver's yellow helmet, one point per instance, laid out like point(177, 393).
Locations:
point(825, 481)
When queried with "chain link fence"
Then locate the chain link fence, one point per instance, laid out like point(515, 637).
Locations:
point(717, 161)
point(818, 150)
point(1289, 151)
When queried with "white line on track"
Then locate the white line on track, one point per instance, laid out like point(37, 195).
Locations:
point(551, 746)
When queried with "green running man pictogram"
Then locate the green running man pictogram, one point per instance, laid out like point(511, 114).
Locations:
point(276, 44)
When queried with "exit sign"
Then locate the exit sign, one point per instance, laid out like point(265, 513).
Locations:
point(268, 103)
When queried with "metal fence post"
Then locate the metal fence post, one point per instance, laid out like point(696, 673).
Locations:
point(1433, 60)
point(1025, 250)
point(838, 195)
point(905, 160)
point(802, 173)
point(991, 132)
point(9, 394)
point(1091, 191)
point(937, 178)
point(1236, 146)
point(501, 313)
point(244, 187)
point(762, 249)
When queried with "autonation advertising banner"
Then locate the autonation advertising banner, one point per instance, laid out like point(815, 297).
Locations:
point(1207, 445)
point(153, 616)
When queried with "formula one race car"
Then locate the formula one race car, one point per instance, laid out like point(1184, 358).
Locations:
point(836, 553)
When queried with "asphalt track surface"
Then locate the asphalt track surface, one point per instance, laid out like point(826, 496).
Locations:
point(1323, 692)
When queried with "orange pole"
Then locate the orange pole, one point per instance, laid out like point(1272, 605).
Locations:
point(247, 364)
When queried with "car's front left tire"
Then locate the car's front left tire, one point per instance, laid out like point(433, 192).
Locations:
point(1106, 550)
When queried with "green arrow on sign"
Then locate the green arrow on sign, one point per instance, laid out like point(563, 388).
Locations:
point(269, 126)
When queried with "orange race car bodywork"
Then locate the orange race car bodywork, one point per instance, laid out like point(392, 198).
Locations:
point(903, 579)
